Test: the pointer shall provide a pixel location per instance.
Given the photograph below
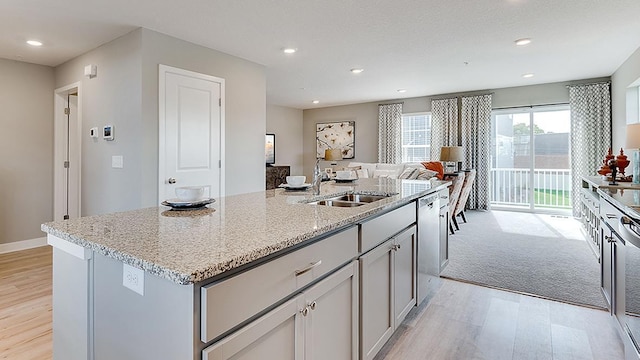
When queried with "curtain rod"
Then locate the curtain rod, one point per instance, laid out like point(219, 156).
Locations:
point(393, 103)
point(585, 84)
point(530, 106)
point(460, 96)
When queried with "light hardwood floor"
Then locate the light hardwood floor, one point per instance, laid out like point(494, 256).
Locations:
point(464, 321)
point(460, 321)
point(25, 304)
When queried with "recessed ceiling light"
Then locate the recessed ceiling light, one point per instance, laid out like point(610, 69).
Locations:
point(527, 75)
point(523, 41)
point(316, 101)
point(34, 43)
point(357, 71)
point(289, 50)
point(402, 90)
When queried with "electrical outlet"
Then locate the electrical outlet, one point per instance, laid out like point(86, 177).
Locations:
point(133, 278)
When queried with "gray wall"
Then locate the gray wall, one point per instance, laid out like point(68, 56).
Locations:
point(26, 145)
point(125, 94)
point(286, 123)
point(366, 115)
point(245, 117)
point(628, 73)
point(112, 97)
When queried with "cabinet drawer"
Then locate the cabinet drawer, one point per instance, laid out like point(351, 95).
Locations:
point(377, 230)
point(610, 214)
point(229, 302)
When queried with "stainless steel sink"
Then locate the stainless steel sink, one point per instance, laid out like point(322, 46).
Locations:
point(349, 200)
point(338, 203)
point(360, 198)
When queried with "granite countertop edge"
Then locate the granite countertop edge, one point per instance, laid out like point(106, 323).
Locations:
point(199, 275)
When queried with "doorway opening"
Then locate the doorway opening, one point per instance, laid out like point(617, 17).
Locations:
point(67, 157)
point(530, 159)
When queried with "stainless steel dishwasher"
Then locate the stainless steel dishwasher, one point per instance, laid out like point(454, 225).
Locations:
point(428, 242)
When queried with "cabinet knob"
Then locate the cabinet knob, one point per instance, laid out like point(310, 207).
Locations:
point(171, 181)
point(313, 305)
point(305, 311)
point(610, 239)
point(395, 247)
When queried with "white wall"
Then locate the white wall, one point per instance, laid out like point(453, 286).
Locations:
point(26, 145)
point(366, 115)
point(627, 74)
point(125, 94)
point(286, 123)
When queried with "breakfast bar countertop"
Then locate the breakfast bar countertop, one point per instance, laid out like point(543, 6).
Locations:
point(191, 246)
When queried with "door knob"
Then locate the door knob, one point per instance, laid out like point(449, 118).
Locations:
point(171, 181)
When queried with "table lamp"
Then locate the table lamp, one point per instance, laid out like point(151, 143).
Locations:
point(333, 155)
point(453, 154)
point(633, 142)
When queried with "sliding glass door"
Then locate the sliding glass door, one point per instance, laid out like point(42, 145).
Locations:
point(530, 167)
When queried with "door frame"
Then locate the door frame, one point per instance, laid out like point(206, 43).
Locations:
point(59, 149)
point(163, 70)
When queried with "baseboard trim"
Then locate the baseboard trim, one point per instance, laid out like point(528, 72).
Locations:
point(22, 245)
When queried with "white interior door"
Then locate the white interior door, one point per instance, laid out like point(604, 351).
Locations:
point(191, 124)
point(67, 131)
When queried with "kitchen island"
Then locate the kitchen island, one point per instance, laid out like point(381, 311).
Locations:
point(165, 284)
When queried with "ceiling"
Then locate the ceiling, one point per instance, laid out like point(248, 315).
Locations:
point(427, 47)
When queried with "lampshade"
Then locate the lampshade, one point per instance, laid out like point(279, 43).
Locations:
point(633, 136)
point(451, 153)
point(333, 154)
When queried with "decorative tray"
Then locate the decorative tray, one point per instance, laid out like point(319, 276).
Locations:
point(304, 186)
point(177, 204)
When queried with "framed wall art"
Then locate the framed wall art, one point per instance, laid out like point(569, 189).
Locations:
point(336, 135)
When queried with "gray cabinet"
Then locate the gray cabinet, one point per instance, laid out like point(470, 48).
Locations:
point(387, 290)
point(319, 323)
point(444, 230)
point(611, 274)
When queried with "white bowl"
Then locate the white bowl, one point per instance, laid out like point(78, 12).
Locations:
point(189, 193)
point(343, 174)
point(296, 180)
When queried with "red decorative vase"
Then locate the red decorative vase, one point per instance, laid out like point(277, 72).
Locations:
point(622, 162)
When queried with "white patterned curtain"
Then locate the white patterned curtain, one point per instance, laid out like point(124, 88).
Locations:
point(390, 133)
point(444, 125)
point(590, 133)
point(476, 142)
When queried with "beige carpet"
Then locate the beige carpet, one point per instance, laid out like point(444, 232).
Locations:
point(542, 255)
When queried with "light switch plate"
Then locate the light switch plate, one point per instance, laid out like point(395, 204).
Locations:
point(117, 162)
point(133, 278)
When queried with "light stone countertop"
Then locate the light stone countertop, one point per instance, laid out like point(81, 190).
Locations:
point(627, 200)
point(191, 246)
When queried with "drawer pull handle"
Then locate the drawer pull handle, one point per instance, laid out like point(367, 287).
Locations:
point(313, 305)
point(611, 216)
point(311, 266)
point(305, 311)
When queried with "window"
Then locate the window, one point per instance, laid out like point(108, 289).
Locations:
point(416, 137)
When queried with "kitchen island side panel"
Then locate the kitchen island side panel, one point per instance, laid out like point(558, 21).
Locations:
point(127, 325)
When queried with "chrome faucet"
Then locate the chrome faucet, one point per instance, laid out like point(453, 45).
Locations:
point(317, 178)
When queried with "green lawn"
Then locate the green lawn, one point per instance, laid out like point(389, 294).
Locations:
point(549, 198)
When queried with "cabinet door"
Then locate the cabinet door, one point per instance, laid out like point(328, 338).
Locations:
point(404, 274)
point(606, 267)
point(277, 334)
point(331, 323)
point(376, 294)
point(444, 237)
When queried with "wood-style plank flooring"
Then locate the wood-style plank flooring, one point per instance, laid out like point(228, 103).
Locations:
point(464, 321)
point(25, 304)
point(458, 321)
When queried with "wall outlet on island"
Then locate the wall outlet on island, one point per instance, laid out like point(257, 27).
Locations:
point(133, 278)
